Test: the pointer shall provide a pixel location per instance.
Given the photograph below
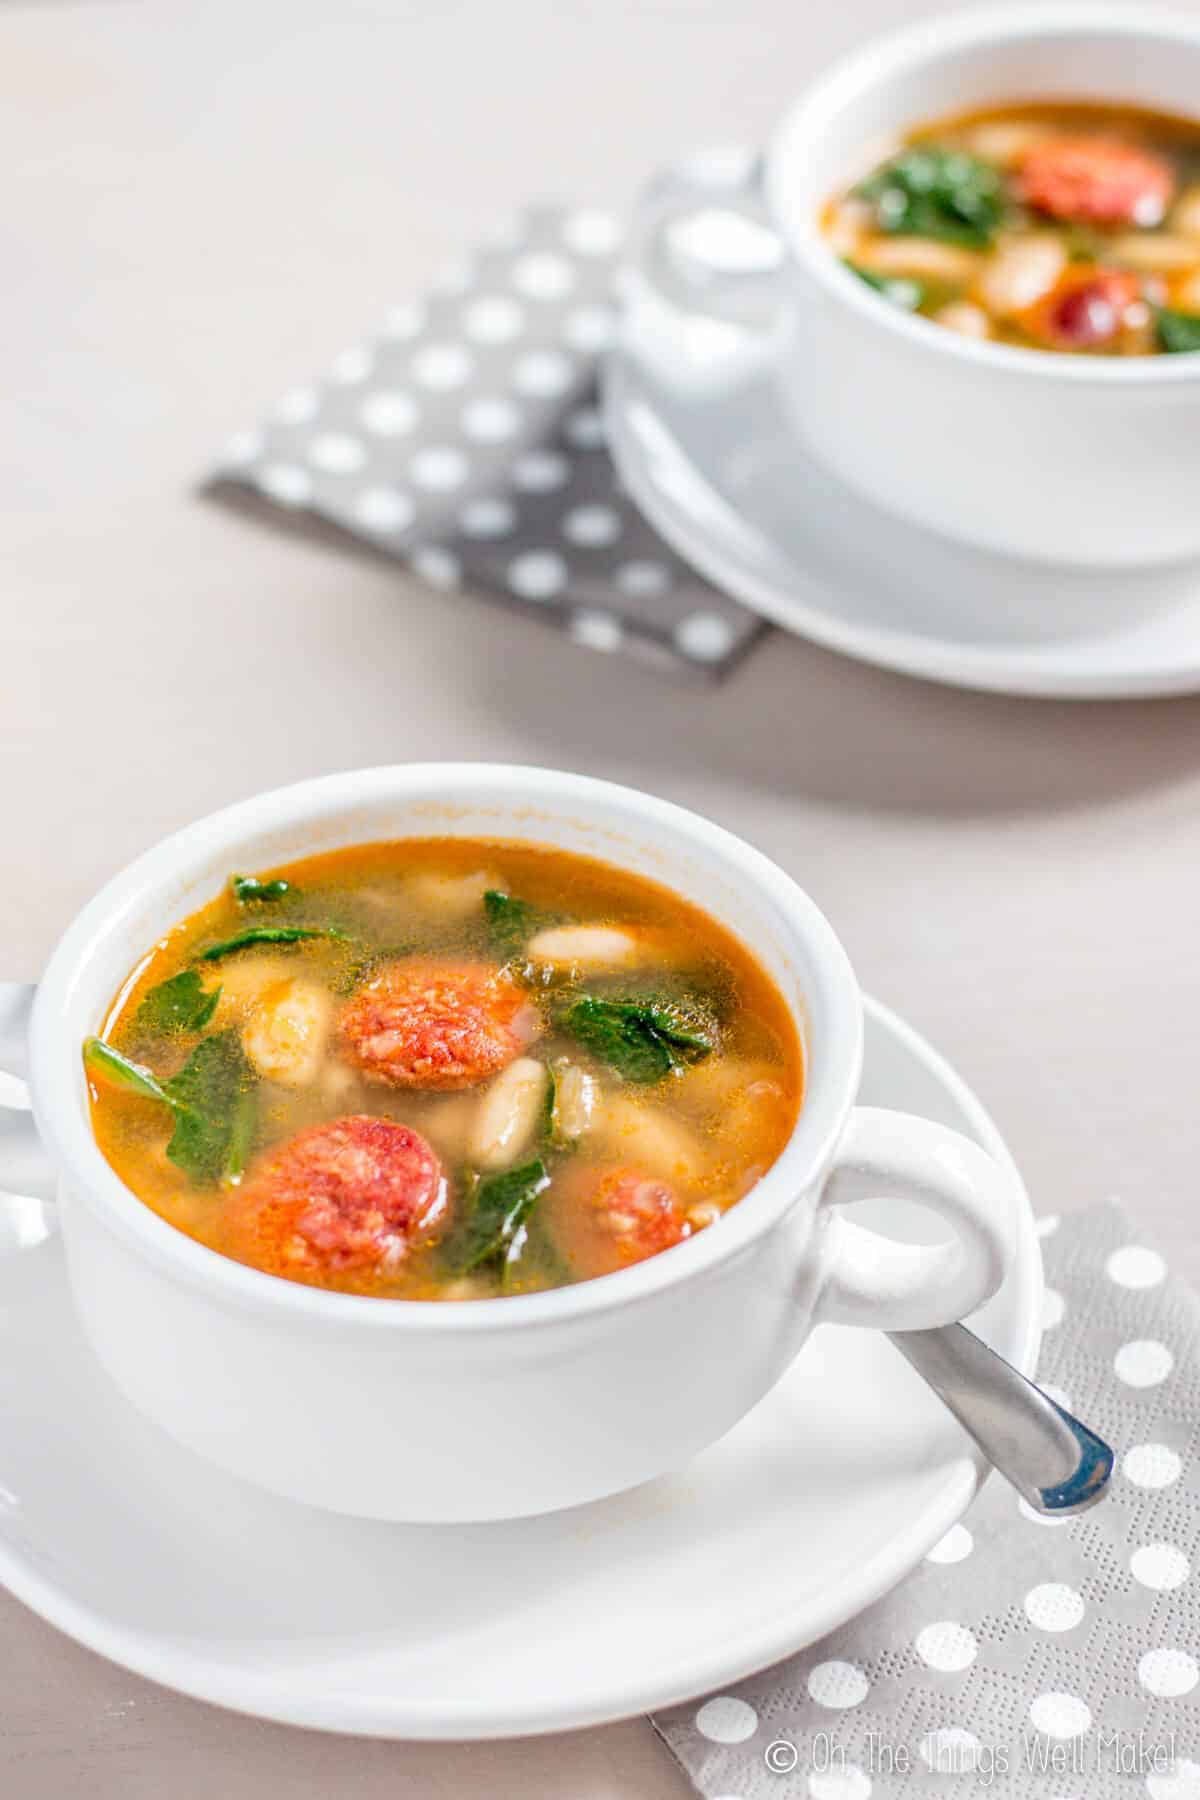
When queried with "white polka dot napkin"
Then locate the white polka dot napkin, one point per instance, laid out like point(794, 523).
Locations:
point(1025, 1659)
point(465, 440)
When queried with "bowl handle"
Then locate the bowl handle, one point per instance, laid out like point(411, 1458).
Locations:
point(702, 241)
point(870, 1279)
point(27, 1179)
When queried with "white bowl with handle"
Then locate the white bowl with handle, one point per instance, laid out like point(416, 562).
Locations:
point(496, 1408)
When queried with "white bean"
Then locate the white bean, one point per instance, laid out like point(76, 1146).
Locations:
point(848, 221)
point(713, 1083)
point(575, 1092)
point(244, 979)
point(923, 258)
point(1005, 141)
point(452, 897)
point(968, 320)
point(286, 1033)
point(1155, 250)
point(1019, 272)
point(653, 1139)
point(703, 1214)
point(585, 947)
point(467, 1287)
point(508, 1114)
point(449, 1123)
point(1185, 215)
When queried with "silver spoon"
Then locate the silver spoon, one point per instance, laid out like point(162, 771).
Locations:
point(1055, 1463)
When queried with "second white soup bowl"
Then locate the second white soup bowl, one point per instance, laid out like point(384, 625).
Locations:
point(496, 1408)
point(1067, 459)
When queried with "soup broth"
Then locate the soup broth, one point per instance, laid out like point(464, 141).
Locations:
point(444, 1069)
point(1068, 227)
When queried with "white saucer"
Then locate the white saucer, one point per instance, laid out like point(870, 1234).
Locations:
point(816, 1504)
point(696, 428)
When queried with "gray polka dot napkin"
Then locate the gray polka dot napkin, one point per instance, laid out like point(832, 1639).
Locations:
point(1025, 1659)
point(465, 440)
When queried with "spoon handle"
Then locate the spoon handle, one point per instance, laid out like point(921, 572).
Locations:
point(1055, 1463)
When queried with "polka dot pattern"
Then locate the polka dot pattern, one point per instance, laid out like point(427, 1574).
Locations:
point(849, 1782)
point(336, 454)
point(954, 1547)
point(543, 374)
point(491, 421)
point(439, 468)
point(1143, 1363)
point(298, 406)
point(286, 484)
point(441, 366)
point(1132, 1266)
point(542, 275)
point(1181, 1781)
point(537, 575)
point(726, 1720)
point(1004, 1637)
point(384, 509)
point(1151, 1465)
point(487, 519)
point(947, 1647)
point(1160, 1567)
point(1058, 1715)
point(1053, 1606)
point(1053, 1308)
point(388, 413)
point(592, 527)
point(837, 1684)
point(469, 428)
point(1168, 1673)
point(352, 366)
point(495, 319)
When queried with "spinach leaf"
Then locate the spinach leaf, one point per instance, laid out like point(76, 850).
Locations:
point(242, 1129)
point(643, 1040)
point(101, 1059)
point(248, 887)
point(182, 1003)
point(212, 1099)
point(510, 920)
point(500, 1207)
point(1177, 331)
point(269, 934)
point(209, 1094)
point(933, 193)
point(899, 289)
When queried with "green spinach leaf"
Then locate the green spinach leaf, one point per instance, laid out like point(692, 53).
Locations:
point(242, 1130)
point(101, 1059)
point(935, 193)
point(510, 920)
point(269, 934)
point(181, 1003)
point(1178, 332)
point(210, 1099)
point(247, 888)
point(899, 289)
point(500, 1208)
point(643, 1040)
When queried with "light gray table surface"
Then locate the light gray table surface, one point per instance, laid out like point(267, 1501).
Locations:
point(202, 204)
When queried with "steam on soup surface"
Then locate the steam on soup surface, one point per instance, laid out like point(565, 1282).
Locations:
point(444, 1069)
point(1052, 226)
